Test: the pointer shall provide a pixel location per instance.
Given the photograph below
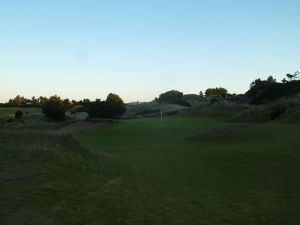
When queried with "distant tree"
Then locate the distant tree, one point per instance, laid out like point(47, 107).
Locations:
point(201, 94)
point(115, 106)
point(42, 101)
point(34, 101)
point(256, 87)
point(67, 103)
point(293, 77)
point(18, 101)
point(172, 97)
point(271, 80)
point(18, 114)
point(54, 108)
point(216, 92)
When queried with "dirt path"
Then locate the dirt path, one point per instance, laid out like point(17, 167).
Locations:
point(81, 126)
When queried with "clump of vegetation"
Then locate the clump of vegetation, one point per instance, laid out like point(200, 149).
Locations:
point(18, 114)
point(263, 113)
point(216, 92)
point(113, 107)
point(172, 97)
point(257, 86)
point(265, 91)
point(54, 108)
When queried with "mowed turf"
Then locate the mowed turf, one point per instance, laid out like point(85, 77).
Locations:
point(198, 170)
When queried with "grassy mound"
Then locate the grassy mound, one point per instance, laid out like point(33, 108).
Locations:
point(50, 179)
point(285, 110)
point(151, 109)
point(215, 106)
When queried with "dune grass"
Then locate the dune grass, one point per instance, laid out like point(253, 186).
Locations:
point(180, 171)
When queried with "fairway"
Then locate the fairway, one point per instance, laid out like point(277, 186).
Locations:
point(198, 170)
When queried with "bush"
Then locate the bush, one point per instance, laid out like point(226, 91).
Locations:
point(216, 92)
point(172, 97)
point(54, 108)
point(277, 91)
point(18, 114)
point(113, 107)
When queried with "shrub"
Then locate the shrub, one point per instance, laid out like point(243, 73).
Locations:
point(172, 97)
point(216, 92)
point(113, 107)
point(276, 91)
point(54, 108)
point(18, 114)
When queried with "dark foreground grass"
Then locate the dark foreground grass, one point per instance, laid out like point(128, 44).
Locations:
point(49, 179)
point(180, 171)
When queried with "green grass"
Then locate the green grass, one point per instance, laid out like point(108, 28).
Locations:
point(182, 170)
point(10, 111)
point(49, 179)
point(175, 173)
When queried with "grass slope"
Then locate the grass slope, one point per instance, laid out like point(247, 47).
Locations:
point(183, 171)
point(50, 179)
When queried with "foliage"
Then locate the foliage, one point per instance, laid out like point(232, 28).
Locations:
point(172, 97)
point(18, 114)
point(256, 87)
point(216, 92)
point(113, 107)
point(276, 91)
point(293, 77)
point(263, 91)
point(54, 108)
point(18, 101)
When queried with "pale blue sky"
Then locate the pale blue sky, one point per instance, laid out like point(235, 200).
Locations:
point(139, 49)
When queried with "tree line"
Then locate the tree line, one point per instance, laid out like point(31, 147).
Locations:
point(260, 91)
point(55, 107)
point(263, 91)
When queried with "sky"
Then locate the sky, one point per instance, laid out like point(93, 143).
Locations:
point(141, 48)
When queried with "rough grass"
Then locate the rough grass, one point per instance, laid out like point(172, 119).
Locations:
point(284, 110)
point(184, 171)
point(50, 179)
